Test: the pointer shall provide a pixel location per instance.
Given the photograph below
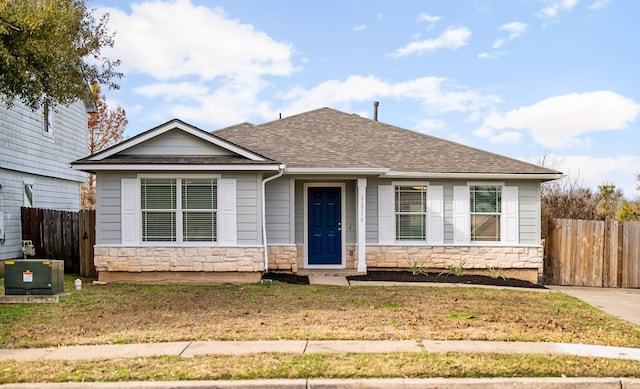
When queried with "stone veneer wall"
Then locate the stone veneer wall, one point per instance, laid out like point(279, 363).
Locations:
point(439, 257)
point(179, 259)
point(291, 258)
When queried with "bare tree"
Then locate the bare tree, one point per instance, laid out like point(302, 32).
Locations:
point(106, 128)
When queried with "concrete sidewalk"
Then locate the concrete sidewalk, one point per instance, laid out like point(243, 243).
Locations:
point(375, 383)
point(190, 349)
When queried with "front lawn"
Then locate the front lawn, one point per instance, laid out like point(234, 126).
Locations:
point(111, 314)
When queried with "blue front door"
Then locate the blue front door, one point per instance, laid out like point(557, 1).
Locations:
point(325, 227)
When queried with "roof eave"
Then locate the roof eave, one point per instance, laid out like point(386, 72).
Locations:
point(475, 176)
point(91, 167)
point(326, 170)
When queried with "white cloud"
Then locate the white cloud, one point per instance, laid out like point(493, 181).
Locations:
point(430, 125)
point(452, 38)
point(428, 18)
point(360, 27)
point(599, 4)
point(563, 121)
point(591, 171)
point(174, 39)
point(196, 53)
point(435, 94)
point(516, 29)
point(487, 56)
point(553, 10)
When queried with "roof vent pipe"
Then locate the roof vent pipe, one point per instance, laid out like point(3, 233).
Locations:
point(375, 110)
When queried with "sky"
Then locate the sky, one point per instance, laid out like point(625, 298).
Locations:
point(521, 78)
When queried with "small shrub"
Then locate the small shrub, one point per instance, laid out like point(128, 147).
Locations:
point(455, 270)
point(416, 267)
point(497, 273)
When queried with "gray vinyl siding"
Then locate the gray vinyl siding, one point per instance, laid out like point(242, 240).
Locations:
point(278, 210)
point(448, 207)
point(372, 209)
point(108, 207)
point(529, 211)
point(109, 214)
point(249, 219)
point(176, 142)
point(25, 147)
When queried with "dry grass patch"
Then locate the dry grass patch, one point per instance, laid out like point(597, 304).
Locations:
point(150, 313)
point(269, 366)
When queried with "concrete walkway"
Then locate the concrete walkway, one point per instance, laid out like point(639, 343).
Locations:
point(619, 302)
point(190, 349)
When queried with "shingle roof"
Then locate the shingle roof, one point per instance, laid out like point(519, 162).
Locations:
point(327, 138)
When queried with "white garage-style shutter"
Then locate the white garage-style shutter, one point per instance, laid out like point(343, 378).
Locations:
point(386, 222)
point(435, 214)
point(460, 214)
point(510, 217)
point(130, 207)
point(227, 212)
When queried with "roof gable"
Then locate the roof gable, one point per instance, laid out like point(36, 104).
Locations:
point(176, 138)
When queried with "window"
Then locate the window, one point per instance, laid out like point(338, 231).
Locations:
point(179, 209)
point(486, 211)
point(411, 212)
point(28, 195)
point(48, 123)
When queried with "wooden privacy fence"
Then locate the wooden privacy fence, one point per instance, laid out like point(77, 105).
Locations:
point(65, 235)
point(592, 253)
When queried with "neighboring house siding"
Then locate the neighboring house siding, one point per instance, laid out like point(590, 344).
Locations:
point(25, 148)
point(108, 207)
point(31, 156)
point(176, 142)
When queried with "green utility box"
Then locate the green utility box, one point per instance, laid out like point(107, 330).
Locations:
point(33, 276)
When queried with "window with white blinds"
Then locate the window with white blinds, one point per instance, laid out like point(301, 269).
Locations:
point(411, 212)
point(486, 213)
point(199, 205)
point(178, 209)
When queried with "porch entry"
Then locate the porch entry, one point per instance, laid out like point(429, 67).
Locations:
point(324, 226)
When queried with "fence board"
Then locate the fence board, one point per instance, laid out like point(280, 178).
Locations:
point(592, 253)
point(56, 235)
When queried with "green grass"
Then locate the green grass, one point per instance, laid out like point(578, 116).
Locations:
point(273, 366)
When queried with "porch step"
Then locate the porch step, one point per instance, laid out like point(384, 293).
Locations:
point(328, 273)
point(328, 280)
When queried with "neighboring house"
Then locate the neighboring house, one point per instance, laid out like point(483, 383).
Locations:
point(37, 148)
point(319, 191)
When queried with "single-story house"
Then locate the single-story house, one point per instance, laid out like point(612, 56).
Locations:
point(321, 191)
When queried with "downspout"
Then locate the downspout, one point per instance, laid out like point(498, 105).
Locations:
point(264, 214)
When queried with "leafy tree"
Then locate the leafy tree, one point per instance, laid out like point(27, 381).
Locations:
point(628, 211)
point(50, 51)
point(608, 200)
point(106, 128)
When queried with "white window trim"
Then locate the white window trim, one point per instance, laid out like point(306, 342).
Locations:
point(31, 183)
point(49, 121)
point(395, 185)
point(434, 216)
point(503, 216)
point(138, 214)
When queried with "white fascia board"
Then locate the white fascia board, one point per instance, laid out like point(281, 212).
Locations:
point(324, 170)
point(168, 127)
point(474, 176)
point(162, 167)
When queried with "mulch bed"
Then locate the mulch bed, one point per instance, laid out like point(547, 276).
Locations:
point(405, 276)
